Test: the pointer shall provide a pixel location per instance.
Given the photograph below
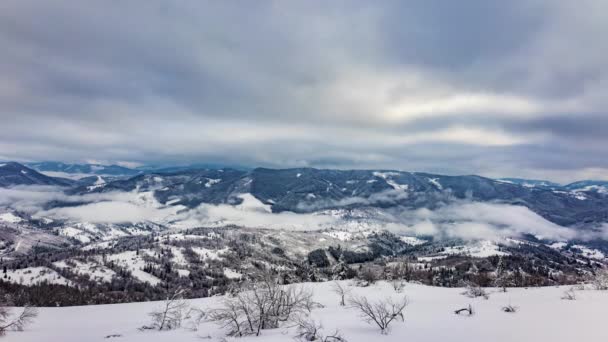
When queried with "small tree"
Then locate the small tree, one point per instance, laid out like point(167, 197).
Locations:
point(600, 281)
point(381, 313)
point(368, 275)
point(171, 315)
point(16, 323)
point(342, 291)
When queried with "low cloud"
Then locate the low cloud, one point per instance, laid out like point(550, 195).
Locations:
point(457, 219)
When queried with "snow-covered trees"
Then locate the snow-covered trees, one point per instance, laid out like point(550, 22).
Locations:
point(9, 321)
point(600, 281)
point(381, 313)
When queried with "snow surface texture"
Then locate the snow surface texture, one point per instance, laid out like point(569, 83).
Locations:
point(541, 316)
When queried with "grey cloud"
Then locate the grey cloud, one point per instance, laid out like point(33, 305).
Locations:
point(351, 84)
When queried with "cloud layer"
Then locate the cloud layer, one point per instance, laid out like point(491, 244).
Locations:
point(456, 219)
point(511, 88)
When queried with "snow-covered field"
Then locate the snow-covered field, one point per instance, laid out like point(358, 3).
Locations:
point(542, 316)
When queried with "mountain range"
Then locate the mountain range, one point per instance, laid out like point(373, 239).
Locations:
point(309, 190)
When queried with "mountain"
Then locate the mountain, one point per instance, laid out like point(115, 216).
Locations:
point(12, 174)
point(310, 190)
point(92, 169)
point(531, 183)
point(600, 187)
point(146, 234)
point(306, 190)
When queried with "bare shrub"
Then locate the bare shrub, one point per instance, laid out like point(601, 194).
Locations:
point(309, 330)
point(195, 317)
point(474, 291)
point(600, 281)
point(368, 275)
point(16, 323)
point(263, 306)
point(398, 285)
point(569, 295)
point(381, 313)
point(341, 290)
point(468, 311)
point(174, 311)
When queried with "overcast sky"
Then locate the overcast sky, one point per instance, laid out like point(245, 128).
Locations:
point(497, 88)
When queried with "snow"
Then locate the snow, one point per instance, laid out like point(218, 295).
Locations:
point(10, 218)
point(579, 196)
point(35, 275)
point(232, 274)
point(213, 254)
point(99, 183)
point(340, 235)
point(178, 256)
point(211, 182)
point(436, 183)
point(95, 272)
point(558, 245)
point(412, 240)
point(250, 203)
point(387, 177)
point(599, 188)
point(429, 316)
point(74, 233)
point(183, 273)
point(479, 249)
point(134, 263)
point(589, 253)
point(173, 201)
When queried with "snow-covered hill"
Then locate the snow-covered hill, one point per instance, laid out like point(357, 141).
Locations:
point(541, 316)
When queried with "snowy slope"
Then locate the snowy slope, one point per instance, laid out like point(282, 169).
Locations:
point(542, 316)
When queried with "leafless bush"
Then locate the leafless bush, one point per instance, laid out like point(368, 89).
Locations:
point(16, 323)
point(381, 313)
point(569, 295)
point(600, 281)
point(468, 311)
point(398, 285)
point(195, 317)
point(474, 291)
point(264, 306)
point(367, 274)
point(172, 313)
point(309, 330)
point(342, 291)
